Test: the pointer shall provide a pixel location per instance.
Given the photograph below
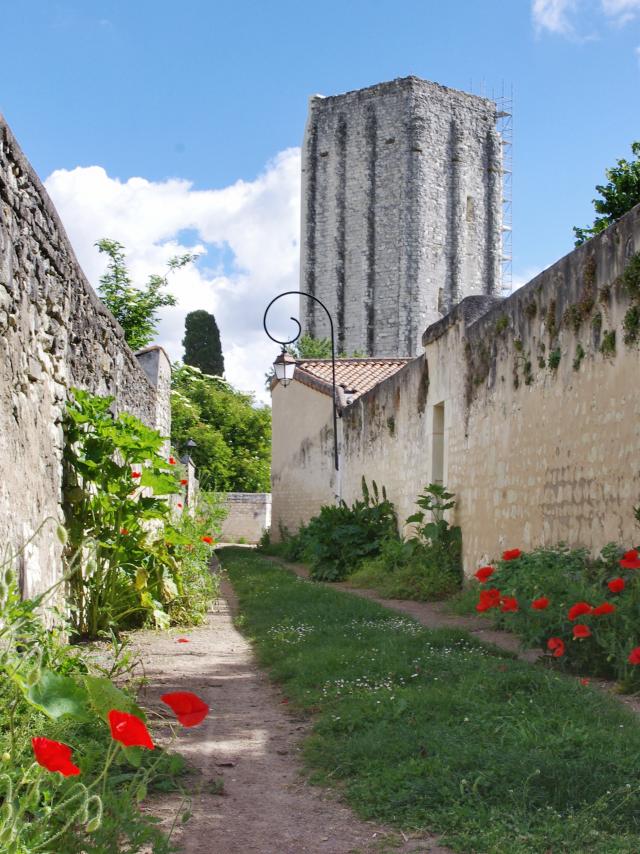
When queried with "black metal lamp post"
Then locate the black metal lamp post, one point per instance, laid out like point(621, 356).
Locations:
point(189, 444)
point(284, 365)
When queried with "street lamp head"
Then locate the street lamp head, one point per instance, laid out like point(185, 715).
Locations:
point(284, 367)
point(190, 444)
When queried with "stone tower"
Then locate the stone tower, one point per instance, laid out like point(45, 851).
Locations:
point(401, 211)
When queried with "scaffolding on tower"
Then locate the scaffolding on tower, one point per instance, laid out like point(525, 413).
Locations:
point(504, 104)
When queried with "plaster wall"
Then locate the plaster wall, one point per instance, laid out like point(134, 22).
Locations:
point(302, 467)
point(541, 439)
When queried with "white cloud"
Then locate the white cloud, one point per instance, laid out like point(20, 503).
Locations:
point(554, 15)
point(621, 11)
point(561, 17)
point(255, 223)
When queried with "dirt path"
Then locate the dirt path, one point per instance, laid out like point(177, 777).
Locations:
point(250, 742)
point(433, 616)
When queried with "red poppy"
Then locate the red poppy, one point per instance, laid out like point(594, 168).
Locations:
point(556, 646)
point(124, 532)
point(581, 631)
point(616, 585)
point(634, 655)
point(54, 756)
point(484, 573)
point(172, 461)
point(509, 603)
point(630, 560)
point(136, 474)
point(207, 540)
point(189, 708)
point(541, 603)
point(511, 554)
point(605, 608)
point(488, 599)
point(184, 481)
point(579, 609)
point(183, 640)
point(129, 730)
point(179, 504)
point(585, 681)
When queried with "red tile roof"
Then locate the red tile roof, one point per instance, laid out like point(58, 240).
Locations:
point(355, 376)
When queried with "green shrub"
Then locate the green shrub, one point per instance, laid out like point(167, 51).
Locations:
point(133, 563)
point(199, 585)
point(427, 566)
point(566, 577)
point(406, 570)
point(120, 537)
point(53, 691)
point(340, 537)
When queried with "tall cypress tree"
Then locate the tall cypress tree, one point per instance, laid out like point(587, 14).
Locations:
point(201, 343)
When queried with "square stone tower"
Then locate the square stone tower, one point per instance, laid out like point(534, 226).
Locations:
point(401, 211)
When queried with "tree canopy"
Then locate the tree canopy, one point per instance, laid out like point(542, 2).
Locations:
point(619, 195)
point(232, 434)
point(201, 342)
point(135, 309)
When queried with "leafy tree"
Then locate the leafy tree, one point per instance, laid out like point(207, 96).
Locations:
point(618, 196)
point(307, 347)
point(201, 343)
point(135, 309)
point(232, 434)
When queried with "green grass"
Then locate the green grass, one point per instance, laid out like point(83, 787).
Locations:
point(426, 729)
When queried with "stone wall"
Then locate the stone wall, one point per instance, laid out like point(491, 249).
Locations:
point(401, 211)
point(54, 334)
point(527, 408)
point(249, 516)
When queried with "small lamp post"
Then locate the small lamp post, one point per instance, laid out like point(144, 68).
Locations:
point(189, 444)
point(284, 365)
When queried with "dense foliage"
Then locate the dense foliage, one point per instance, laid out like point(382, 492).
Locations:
point(335, 541)
point(201, 342)
point(584, 612)
point(232, 434)
point(123, 546)
point(135, 308)
point(619, 195)
point(66, 784)
point(431, 730)
point(361, 543)
point(425, 566)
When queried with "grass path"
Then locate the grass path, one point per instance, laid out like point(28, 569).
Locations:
point(433, 730)
point(248, 794)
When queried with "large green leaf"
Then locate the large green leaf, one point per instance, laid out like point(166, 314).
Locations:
point(104, 696)
point(58, 695)
point(162, 484)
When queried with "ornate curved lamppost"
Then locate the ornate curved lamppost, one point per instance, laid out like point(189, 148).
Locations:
point(284, 365)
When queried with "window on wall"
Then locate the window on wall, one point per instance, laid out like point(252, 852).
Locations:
point(437, 445)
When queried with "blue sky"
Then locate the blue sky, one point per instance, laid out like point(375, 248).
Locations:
point(168, 126)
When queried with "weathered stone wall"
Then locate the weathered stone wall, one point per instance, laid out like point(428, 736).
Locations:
point(401, 211)
point(249, 516)
point(54, 334)
point(528, 409)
